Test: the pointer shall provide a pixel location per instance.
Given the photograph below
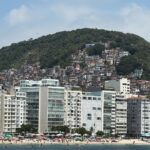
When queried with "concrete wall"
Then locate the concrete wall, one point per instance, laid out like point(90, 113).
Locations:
point(43, 110)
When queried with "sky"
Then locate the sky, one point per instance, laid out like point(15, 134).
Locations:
point(24, 19)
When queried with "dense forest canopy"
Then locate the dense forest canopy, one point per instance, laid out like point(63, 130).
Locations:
point(57, 48)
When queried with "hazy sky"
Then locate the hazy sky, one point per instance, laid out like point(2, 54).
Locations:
point(24, 19)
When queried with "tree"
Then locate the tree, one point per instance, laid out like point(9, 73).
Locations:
point(56, 49)
point(26, 128)
point(148, 96)
point(96, 50)
point(82, 131)
point(99, 133)
point(128, 64)
point(64, 129)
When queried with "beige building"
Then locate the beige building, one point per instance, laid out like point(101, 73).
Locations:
point(13, 113)
point(121, 115)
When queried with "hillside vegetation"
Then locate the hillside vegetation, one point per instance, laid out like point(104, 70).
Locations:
point(57, 48)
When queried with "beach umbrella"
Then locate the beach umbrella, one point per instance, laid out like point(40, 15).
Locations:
point(76, 134)
point(68, 135)
point(8, 136)
point(146, 134)
point(59, 134)
point(78, 139)
point(86, 134)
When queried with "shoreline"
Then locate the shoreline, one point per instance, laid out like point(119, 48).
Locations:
point(32, 142)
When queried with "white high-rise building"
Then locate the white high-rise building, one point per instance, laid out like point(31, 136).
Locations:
point(13, 113)
point(121, 86)
point(72, 106)
point(21, 109)
point(92, 111)
point(9, 113)
point(45, 103)
point(84, 109)
point(51, 108)
point(1, 109)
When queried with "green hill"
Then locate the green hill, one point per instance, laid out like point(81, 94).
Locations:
point(56, 49)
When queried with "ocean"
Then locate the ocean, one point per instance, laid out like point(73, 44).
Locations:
point(75, 147)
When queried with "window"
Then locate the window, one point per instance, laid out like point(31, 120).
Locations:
point(89, 118)
point(84, 124)
point(98, 118)
point(94, 108)
point(89, 98)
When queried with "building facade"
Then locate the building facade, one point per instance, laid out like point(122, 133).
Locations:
point(51, 106)
point(109, 111)
point(73, 108)
point(92, 111)
point(13, 113)
point(43, 98)
point(138, 120)
point(121, 115)
point(84, 109)
point(21, 109)
point(121, 86)
point(1, 109)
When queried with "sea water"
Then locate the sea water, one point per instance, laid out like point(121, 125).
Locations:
point(74, 147)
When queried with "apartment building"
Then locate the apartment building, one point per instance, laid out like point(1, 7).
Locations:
point(121, 115)
point(121, 86)
point(109, 111)
point(21, 109)
point(51, 108)
point(1, 109)
point(92, 111)
point(138, 112)
point(43, 98)
point(46, 104)
point(72, 107)
point(32, 101)
point(84, 109)
point(13, 113)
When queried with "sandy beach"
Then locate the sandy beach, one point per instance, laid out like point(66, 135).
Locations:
point(133, 141)
point(70, 142)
